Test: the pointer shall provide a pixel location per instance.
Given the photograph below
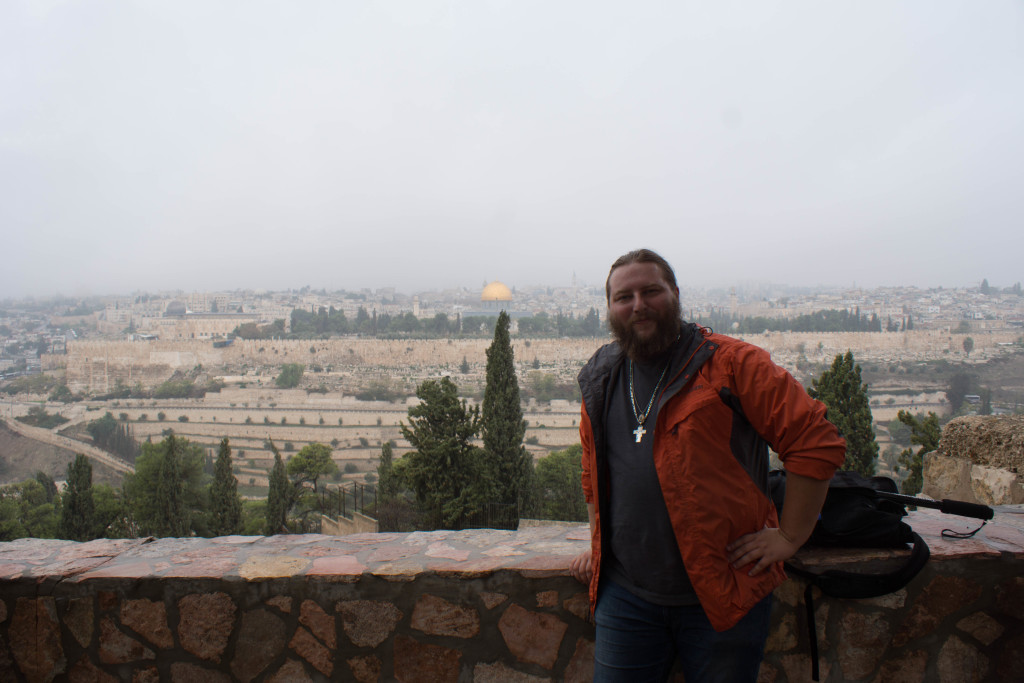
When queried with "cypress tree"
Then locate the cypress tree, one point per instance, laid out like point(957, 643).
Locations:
point(279, 496)
point(225, 505)
point(172, 518)
point(841, 390)
point(78, 512)
point(387, 481)
point(503, 424)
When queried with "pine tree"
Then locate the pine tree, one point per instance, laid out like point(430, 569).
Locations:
point(503, 424)
point(841, 390)
point(78, 512)
point(924, 432)
point(279, 497)
point(225, 505)
point(445, 470)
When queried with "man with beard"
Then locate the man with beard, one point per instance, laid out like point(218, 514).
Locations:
point(686, 546)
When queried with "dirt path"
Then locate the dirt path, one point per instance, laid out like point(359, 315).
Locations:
point(48, 437)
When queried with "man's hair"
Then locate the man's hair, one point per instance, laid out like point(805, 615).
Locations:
point(640, 256)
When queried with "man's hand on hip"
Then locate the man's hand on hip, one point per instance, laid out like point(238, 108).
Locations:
point(763, 548)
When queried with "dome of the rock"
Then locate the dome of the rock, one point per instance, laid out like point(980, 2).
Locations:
point(496, 291)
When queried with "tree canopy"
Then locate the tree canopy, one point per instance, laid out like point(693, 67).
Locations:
point(445, 471)
point(558, 486)
point(924, 432)
point(841, 390)
point(165, 494)
point(290, 375)
point(311, 463)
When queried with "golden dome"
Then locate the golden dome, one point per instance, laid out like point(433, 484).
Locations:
point(496, 291)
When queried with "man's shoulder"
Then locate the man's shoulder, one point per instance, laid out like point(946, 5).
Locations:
point(602, 361)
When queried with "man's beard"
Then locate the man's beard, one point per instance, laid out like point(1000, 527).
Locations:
point(666, 330)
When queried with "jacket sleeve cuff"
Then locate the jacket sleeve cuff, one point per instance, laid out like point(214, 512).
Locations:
point(819, 465)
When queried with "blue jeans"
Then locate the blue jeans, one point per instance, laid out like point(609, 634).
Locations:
point(639, 641)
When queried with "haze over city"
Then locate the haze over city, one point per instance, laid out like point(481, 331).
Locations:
point(435, 144)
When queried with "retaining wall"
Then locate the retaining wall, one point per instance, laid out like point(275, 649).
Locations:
point(480, 606)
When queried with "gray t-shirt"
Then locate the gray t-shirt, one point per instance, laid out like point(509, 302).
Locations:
point(645, 557)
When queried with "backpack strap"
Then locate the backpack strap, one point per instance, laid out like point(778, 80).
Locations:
point(853, 585)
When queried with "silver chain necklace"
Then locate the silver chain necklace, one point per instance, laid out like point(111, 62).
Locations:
point(641, 418)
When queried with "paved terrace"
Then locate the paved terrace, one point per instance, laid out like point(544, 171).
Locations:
point(479, 605)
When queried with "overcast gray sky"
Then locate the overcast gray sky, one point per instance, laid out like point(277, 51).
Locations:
point(419, 144)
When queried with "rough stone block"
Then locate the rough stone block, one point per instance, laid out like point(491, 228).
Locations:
point(118, 648)
point(281, 602)
point(904, 668)
point(767, 673)
point(438, 617)
point(547, 598)
point(148, 675)
point(84, 671)
point(863, 639)
point(982, 627)
point(313, 617)
point(1010, 597)
point(783, 636)
point(502, 673)
point(205, 624)
point(34, 638)
point(261, 638)
point(365, 669)
point(581, 667)
point(993, 486)
point(79, 620)
point(996, 441)
point(940, 598)
point(578, 605)
point(291, 671)
point(368, 623)
point(959, 662)
point(183, 672)
point(532, 636)
point(310, 649)
point(416, 662)
point(1011, 660)
point(492, 600)
point(148, 618)
point(798, 667)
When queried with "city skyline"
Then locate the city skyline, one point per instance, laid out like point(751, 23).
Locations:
point(432, 145)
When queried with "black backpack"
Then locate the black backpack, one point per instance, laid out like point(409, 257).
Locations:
point(854, 516)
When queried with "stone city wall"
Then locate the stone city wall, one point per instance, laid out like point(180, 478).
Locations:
point(97, 366)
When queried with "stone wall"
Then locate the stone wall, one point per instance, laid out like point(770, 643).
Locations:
point(979, 460)
point(482, 606)
point(97, 366)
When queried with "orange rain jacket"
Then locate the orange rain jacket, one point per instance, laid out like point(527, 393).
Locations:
point(712, 472)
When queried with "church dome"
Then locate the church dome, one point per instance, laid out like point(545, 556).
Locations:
point(175, 308)
point(496, 291)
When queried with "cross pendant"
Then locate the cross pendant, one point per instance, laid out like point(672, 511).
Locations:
point(639, 432)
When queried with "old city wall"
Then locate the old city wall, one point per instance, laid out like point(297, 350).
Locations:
point(98, 366)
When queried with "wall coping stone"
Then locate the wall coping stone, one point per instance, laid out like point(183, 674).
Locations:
point(533, 552)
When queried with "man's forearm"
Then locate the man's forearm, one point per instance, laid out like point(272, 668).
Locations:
point(804, 498)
